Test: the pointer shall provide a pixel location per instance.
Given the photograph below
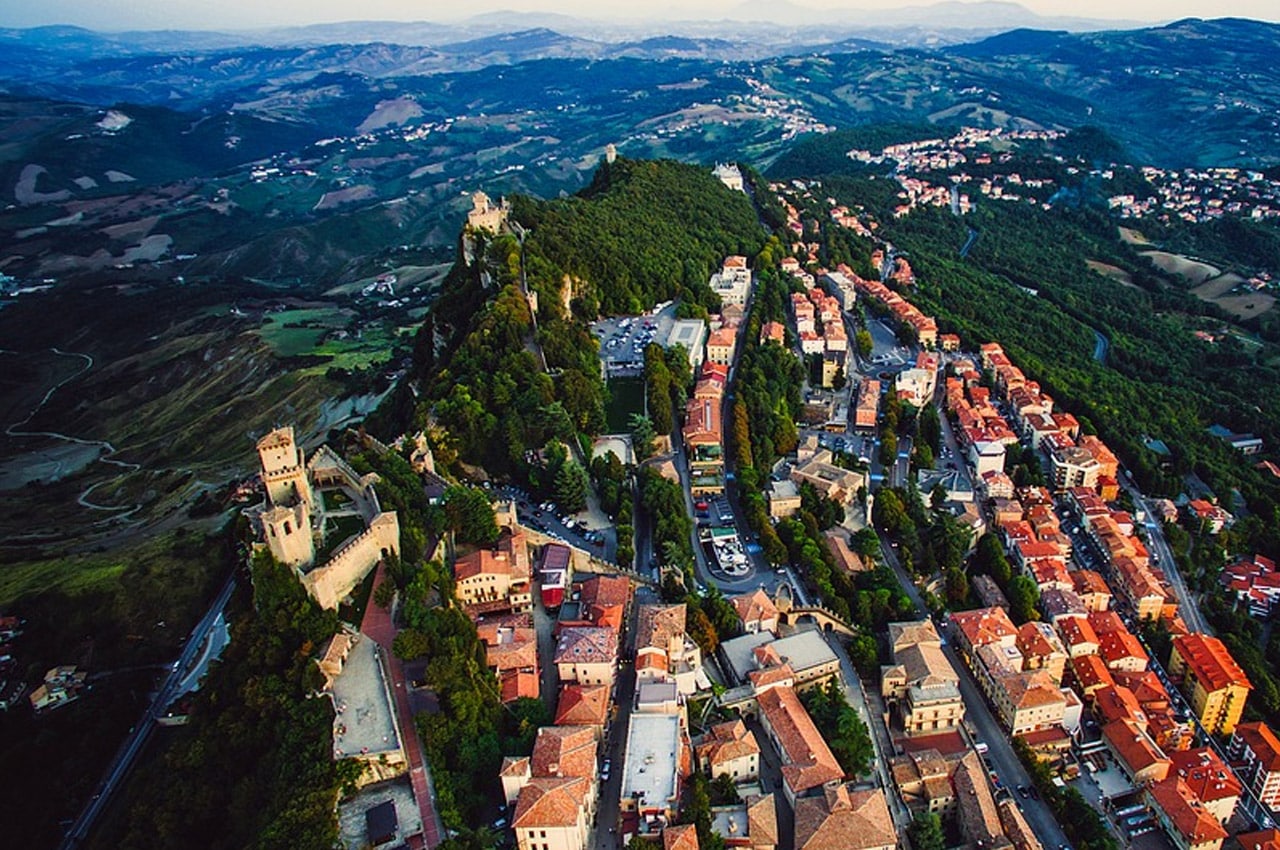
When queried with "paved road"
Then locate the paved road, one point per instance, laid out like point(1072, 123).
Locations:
point(985, 727)
point(1156, 543)
point(138, 735)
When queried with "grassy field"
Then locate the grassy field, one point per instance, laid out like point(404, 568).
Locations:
point(294, 332)
point(1116, 273)
point(1192, 271)
point(626, 398)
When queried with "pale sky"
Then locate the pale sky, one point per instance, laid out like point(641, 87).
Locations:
point(248, 14)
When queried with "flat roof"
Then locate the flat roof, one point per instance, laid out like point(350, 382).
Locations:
point(651, 760)
point(802, 650)
point(363, 723)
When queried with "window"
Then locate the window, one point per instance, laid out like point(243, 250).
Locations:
point(543, 834)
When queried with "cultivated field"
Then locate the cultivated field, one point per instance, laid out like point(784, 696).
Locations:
point(1242, 305)
point(1116, 273)
point(1192, 271)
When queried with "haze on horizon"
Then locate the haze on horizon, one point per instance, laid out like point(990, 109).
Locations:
point(227, 15)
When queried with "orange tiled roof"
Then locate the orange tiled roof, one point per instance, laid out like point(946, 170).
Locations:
point(583, 705)
point(1262, 742)
point(1209, 661)
point(1186, 812)
point(564, 751)
point(683, 837)
point(808, 761)
point(726, 742)
point(984, 625)
point(1133, 747)
point(550, 802)
point(1267, 839)
point(1205, 773)
point(840, 819)
point(754, 606)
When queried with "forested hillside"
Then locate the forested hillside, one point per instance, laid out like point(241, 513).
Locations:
point(640, 234)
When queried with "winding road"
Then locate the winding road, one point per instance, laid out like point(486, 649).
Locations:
point(107, 449)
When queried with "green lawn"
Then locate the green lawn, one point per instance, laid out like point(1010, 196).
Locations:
point(626, 398)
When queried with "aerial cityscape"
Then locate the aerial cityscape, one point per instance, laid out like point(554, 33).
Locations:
point(734, 427)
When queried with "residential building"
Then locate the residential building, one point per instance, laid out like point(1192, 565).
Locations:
point(867, 410)
point(583, 705)
point(1027, 701)
point(983, 626)
point(807, 762)
point(1078, 636)
point(784, 499)
point(730, 749)
point(1257, 750)
point(721, 344)
point(680, 837)
point(490, 581)
point(921, 687)
point(1073, 466)
point(750, 825)
point(1209, 778)
point(1092, 589)
point(664, 651)
point(1138, 756)
point(655, 762)
point(976, 812)
point(61, 685)
point(807, 656)
point(512, 653)
point(1186, 820)
point(923, 780)
point(1267, 839)
point(834, 482)
point(756, 612)
point(843, 819)
point(1041, 650)
point(773, 332)
point(587, 655)
point(554, 574)
point(552, 814)
point(1214, 683)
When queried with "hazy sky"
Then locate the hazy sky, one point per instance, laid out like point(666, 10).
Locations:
point(246, 14)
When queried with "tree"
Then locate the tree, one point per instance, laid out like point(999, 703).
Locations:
point(926, 832)
point(1023, 596)
point(470, 515)
point(888, 447)
point(864, 654)
point(410, 644)
point(838, 380)
point(571, 487)
point(642, 435)
point(864, 342)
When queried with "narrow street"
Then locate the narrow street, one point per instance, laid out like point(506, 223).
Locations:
point(985, 727)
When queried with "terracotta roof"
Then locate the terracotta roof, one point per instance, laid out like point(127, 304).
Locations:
point(1209, 661)
point(1116, 702)
point(514, 766)
point(1132, 746)
point(564, 751)
point(550, 802)
point(586, 645)
point(582, 705)
point(1106, 622)
point(754, 606)
point(1267, 839)
point(1091, 672)
point(1089, 581)
point(1031, 689)
point(516, 684)
point(507, 648)
point(1038, 639)
point(606, 590)
point(680, 837)
point(1262, 742)
point(841, 819)
point(984, 625)
point(1186, 812)
point(727, 742)
point(762, 820)
point(1076, 631)
point(658, 625)
point(1205, 773)
point(1118, 646)
point(807, 760)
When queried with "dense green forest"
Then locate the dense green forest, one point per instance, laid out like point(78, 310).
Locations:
point(640, 234)
point(254, 708)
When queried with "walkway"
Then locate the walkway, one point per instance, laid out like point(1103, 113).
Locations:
point(378, 626)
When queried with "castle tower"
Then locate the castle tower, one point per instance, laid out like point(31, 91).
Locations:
point(283, 470)
point(610, 153)
point(288, 533)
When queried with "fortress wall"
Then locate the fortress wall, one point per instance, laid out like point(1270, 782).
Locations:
point(330, 583)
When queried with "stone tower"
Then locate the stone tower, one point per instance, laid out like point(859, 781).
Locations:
point(284, 471)
point(610, 153)
point(288, 533)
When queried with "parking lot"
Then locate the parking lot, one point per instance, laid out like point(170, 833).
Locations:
point(623, 338)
